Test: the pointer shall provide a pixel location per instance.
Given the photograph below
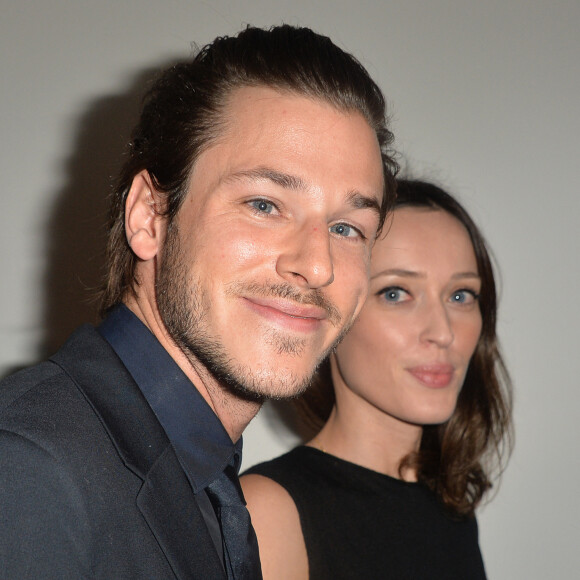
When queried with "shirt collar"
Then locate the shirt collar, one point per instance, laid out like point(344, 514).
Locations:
point(201, 442)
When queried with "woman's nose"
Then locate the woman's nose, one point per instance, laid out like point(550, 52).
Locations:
point(437, 327)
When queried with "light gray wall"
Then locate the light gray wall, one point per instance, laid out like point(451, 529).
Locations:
point(484, 97)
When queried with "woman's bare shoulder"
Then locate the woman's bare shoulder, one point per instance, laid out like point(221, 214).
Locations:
point(277, 524)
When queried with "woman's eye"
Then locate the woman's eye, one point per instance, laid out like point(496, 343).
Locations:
point(395, 294)
point(464, 297)
point(344, 230)
point(262, 206)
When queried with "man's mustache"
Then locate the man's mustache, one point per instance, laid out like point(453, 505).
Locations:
point(288, 292)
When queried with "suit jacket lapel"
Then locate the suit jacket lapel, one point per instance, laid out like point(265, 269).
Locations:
point(178, 526)
point(166, 498)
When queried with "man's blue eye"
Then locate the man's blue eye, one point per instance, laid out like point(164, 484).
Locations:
point(343, 230)
point(262, 206)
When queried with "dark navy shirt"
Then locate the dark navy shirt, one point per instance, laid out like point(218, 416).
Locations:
point(201, 442)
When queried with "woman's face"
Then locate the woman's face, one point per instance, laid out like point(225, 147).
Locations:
point(408, 352)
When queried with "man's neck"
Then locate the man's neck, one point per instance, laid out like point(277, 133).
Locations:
point(234, 411)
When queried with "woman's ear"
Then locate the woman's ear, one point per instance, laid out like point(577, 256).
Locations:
point(144, 226)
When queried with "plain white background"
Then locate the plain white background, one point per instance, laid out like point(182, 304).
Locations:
point(484, 98)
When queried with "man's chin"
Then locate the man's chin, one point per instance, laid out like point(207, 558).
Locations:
point(270, 385)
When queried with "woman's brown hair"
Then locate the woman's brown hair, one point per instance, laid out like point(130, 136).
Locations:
point(459, 458)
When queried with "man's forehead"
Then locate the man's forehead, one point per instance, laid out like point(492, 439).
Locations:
point(248, 97)
point(293, 141)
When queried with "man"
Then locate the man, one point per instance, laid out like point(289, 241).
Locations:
point(239, 249)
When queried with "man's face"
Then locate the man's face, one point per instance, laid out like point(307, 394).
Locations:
point(266, 264)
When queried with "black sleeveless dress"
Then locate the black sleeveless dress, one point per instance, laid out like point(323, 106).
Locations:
point(359, 524)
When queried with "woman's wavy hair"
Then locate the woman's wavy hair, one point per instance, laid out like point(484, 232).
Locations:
point(184, 113)
point(458, 459)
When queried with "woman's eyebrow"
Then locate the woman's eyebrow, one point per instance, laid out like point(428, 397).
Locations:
point(414, 274)
point(400, 272)
point(468, 274)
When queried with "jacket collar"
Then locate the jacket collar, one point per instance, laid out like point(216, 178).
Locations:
point(166, 499)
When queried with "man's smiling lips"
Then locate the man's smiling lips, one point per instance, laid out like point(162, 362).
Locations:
point(287, 313)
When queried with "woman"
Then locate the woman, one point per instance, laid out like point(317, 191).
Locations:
point(411, 409)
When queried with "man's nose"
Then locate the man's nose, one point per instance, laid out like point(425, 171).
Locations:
point(306, 260)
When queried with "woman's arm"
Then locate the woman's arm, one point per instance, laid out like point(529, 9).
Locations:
point(277, 524)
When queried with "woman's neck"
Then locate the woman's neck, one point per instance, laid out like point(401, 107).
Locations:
point(375, 441)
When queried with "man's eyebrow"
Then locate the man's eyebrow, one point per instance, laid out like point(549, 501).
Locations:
point(284, 180)
point(354, 198)
point(361, 201)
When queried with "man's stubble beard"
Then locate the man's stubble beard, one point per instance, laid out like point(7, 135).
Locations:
point(183, 307)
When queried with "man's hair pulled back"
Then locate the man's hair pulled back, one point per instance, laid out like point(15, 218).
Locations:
point(183, 114)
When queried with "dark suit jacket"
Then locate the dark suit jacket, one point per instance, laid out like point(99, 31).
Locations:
point(89, 485)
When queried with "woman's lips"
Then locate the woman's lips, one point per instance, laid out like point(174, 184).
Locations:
point(291, 315)
point(433, 375)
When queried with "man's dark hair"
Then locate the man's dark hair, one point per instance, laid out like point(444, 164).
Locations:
point(183, 115)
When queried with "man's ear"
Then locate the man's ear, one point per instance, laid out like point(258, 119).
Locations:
point(144, 226)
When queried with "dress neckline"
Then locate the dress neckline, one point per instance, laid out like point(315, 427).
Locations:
point(333, 459)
